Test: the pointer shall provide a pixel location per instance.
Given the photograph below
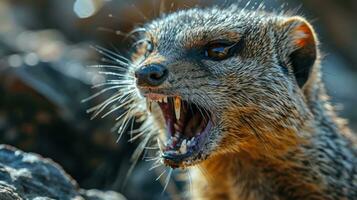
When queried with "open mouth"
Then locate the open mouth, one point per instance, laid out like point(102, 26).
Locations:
point(187, 126)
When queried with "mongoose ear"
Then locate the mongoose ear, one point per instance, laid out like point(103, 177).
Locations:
point(301, 47)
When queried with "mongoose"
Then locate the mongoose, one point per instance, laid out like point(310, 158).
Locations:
point(243, 105)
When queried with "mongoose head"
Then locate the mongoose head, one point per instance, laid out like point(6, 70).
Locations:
point(221, 81)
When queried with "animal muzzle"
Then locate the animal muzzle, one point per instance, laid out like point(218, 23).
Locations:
point(151, 75)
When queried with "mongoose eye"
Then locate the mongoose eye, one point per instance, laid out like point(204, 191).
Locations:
point(143, 47)
point(149, 46)
point(218, 50)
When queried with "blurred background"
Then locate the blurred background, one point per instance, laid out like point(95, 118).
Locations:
point(45, 48)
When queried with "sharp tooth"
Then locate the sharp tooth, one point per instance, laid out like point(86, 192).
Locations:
point(169, 143)
point(165, 99)
point(177, 135)
point(183, 147)
point(148, 104)
point(176, 126)
point(177, 104)
point(192, 139)
point(159, 100)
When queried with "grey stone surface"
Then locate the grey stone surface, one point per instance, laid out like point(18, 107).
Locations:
point(28, 176)
point(100, 195)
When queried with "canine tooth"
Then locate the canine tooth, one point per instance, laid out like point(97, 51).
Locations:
point(191, 142)
point(148, 104)
point(169, 142)
point(177, 104)
point(176, 126)
point(188, 143)
point(165, 99)
point(183, 147)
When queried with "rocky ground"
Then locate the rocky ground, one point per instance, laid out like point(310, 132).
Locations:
point(30, 176)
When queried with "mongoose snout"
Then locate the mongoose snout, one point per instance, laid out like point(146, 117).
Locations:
point(151, 75)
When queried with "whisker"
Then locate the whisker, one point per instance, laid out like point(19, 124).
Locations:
point(117, 108)
point(136, 137)
point(121, 130)
point(115, 96)
point(135, 157)
point(155, 166)
point(113, 58)
point(124, 81)
point(119, 97)
point(167, 180)
point(125, 122)
point(121, 106)
point(162, 173)
point(158, 161)
point(136, 131)
point(113, 62)
point(99, 108)
point(116, 67)
point(132, 126)
point(152, 148)
point(152, 159)
point(190, 183)
point(116, 74)
point(101, 92)
point(113, 54)
point(119, 82)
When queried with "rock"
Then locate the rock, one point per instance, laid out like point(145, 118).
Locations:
point(100, 195)
point(30, 176)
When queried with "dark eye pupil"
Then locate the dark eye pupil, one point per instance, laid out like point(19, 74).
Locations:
point(149, 47)
point(218, 51)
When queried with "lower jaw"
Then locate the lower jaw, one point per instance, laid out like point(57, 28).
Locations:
point(193, 155)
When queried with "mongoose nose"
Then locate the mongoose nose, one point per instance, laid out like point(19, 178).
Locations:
point(151, 75)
